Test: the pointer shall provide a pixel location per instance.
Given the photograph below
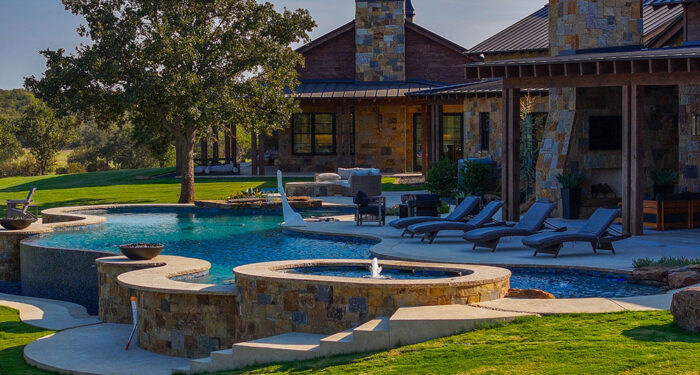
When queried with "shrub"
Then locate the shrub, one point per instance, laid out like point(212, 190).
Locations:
point(442, 178)
point(89, 159)
point(71, 168)
point(571, 180)
point(663, 177)
point(25, 165)
point(476, 178)
point(665, 262)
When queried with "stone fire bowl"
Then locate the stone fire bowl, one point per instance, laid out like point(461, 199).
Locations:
point(141, 251)
point(16, 223)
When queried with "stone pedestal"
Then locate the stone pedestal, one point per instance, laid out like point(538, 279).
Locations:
point(114, 299)
point(9, 251)
point(685, 308)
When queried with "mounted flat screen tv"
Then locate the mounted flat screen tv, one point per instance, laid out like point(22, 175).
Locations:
point(605, 133)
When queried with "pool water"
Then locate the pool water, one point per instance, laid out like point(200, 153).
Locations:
point(228, 238)
point(224, 238)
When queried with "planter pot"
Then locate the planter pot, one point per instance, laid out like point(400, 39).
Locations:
point(571, 203)
point(141, 251)
point(16, 223)
point(663, 189)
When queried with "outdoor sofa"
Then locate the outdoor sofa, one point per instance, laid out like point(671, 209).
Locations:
point(430, 230)
point(350, 181)
point(596, 231)
point(534, 220)
point(670, 211)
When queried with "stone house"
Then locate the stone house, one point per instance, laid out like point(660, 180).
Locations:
point(623, 78)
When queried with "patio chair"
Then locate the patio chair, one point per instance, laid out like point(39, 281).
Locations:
point(20, 207)
point(371, 209)
point(460, 213)
point(596, 231)
point(430, 230)
point(534, 220)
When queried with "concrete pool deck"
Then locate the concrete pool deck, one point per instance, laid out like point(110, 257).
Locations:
point(449, 247)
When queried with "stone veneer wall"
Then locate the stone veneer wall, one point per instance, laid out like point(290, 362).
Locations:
point(579, 24)
point(114, 299)
point(186, 325)
point(380, 40)
point(271, 307)
point(9, 255)
point(473, 107)
point(689, 145)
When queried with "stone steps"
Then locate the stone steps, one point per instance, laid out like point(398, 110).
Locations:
point(407, 326)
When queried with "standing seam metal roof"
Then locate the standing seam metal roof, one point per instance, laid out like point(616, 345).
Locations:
point(532, 32)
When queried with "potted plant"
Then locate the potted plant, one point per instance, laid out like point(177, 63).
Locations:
point(664, 181)
point(571, 193)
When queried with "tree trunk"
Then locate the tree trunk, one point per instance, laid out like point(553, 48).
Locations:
point(187, 187)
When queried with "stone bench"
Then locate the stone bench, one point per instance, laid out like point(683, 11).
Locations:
point(685, 308)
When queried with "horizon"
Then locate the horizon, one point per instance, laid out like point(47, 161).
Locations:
point(27, 28)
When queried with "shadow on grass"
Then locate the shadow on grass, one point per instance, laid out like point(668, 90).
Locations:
point(124, 177)
point(312, 365)
point(662, 333)
point(12, 362)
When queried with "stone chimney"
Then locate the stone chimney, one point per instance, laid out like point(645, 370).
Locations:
point(380, 40)
point(587, 24)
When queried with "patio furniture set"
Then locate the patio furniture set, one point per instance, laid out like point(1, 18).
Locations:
point(347, 182)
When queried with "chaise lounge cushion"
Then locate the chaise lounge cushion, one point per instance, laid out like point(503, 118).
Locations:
point(460, 213)
point(592, 231)
point(530, 223)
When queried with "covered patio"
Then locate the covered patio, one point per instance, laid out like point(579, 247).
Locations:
point(628, 69)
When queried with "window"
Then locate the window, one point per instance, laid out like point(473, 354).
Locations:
point(484, 130)
point(313, 134)
point(452, 136)
point(605, 133)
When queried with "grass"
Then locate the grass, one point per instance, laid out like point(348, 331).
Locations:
point(619, 343)
point(665, 262)
point(14, 335)
point(132, 186)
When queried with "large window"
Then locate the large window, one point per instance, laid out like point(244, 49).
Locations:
point(484, 130)
point(453, 136)
point(313, 134)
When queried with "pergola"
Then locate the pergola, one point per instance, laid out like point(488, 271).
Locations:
point(629, 69)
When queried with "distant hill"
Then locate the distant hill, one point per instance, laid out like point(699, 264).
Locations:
point(12, 102)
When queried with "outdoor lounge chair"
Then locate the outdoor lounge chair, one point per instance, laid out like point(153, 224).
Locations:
point(534, 220)
point(596, 230)
point(19, 208)
point(430, 230)
point(460, 213)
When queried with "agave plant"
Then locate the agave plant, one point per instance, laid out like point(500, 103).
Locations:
point(571, 180)
point(663, 177)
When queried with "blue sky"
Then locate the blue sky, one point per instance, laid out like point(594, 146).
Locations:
point(27, 26)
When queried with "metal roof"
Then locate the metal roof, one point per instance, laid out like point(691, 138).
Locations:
point(359, 90)
point(532, 32)
point(485, 87)
point(666, 2)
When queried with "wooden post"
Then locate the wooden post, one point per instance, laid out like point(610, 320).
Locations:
point(632, 158)
point(227, 145)
point(215, 146)
point(205, 152)
point(234, 145)
point(510, 178)
point(261, 155)
point(254, 153)
point(425, 130)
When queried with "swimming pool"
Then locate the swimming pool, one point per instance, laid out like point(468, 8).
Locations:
point(229, 238)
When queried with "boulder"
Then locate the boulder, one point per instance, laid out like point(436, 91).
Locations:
point(656, 274)
point(528, 294)
point(682, 277)
point(685, 308)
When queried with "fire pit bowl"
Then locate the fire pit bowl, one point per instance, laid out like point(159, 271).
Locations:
point(16, 223)
point(141, 251)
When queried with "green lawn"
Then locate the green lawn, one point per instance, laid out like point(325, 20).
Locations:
point(14, 335)
point(619, 343)
point(129, 186)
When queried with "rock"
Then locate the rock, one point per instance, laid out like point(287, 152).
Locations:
point(685, 308)
point(683, 277)
point(656, 274)
point(528, 294)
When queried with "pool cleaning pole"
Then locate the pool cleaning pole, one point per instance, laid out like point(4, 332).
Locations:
point(134, 314)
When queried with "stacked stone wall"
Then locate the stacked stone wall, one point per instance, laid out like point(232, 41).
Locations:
point(689, 145)
point(380, 40)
